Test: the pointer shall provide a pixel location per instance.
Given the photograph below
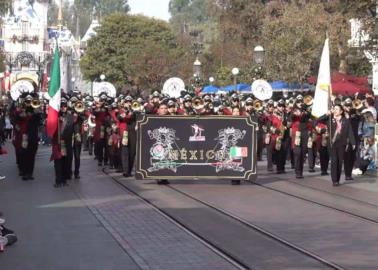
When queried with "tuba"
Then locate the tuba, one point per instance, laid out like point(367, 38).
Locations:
point(79, 106)
point(308, 100)
point(357, 104)
point(257, 105)
point(198, 103)
point(35, 103)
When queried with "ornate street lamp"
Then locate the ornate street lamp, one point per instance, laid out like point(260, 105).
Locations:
point(235, 72)
point(197, 68)
point(258, 54)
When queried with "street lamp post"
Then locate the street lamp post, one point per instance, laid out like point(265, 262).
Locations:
point(73, 83)
point(211, 80)
point(235, 72)
point(258, 54)
point(197, 67)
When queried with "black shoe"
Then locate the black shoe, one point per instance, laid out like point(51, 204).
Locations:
point(77, 176)
point(299, 176)
point(270, 170)
point(324, 173)
point(105, 164)
point(65, 184)
point(311, 170)
point(57, 185)
point(31, 178)
point(281, 172)
point(336, 184)
point(125, 175)
point(99, 164)
point(25, 178)
point(12, 238)
point(349, 178)
point(163, 182)
point(4, 231)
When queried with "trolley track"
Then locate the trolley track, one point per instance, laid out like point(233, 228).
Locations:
point(347, 205)
point(323, 263)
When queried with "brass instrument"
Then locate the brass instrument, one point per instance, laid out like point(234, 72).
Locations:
point(35, 103)
point(257, 105)
point(308, 100)
point(79, 106)
point(198, 103)
point(357, 104)
point(136, 106)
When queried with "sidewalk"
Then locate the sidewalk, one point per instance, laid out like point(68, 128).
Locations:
point(92, 224)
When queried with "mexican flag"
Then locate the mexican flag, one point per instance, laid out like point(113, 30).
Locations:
point(55, 94)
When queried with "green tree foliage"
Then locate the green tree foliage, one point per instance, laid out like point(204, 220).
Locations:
point(133, 50)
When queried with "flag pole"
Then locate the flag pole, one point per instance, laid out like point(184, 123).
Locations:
point(329, 100)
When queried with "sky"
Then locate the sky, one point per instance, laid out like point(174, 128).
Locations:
point(152, 8)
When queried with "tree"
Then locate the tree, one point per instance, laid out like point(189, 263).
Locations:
point(133, 50)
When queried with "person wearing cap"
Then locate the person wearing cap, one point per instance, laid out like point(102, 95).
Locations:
point(29, 120)
point(172, 108)
point(268, 129)
point(62, 145)
point(187, 105)
point(100, 133)
point(280, 135)
point(351, 153)
point(78, 118)
point(301, 127)
point(152, 106)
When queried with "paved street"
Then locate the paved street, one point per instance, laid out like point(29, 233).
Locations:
point(92, 224)
point(99, 222)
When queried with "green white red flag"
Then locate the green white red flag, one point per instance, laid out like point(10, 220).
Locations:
point(55, 95)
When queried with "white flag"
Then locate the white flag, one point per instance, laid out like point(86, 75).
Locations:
point(323, 85)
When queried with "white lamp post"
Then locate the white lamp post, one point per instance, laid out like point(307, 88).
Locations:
point(258, 54)
point(102, 77)
point(197, 68)
point(211, 80)
point(235, 72)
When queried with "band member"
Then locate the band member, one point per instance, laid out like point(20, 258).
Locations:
point(28, 120)
point(322, 145)
point(101, 116)
point(280, 136)
point(78, 118)
point(267, 120)
point(152, 106)
point(350, 153)
point(61, 145)
point(299, 135)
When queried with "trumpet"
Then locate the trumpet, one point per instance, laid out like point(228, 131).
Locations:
point(79, 106)
point(35, 103)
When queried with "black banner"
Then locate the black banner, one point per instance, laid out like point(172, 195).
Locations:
point(196, 147)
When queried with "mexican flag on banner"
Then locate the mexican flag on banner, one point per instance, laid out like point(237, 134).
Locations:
point(55, 95)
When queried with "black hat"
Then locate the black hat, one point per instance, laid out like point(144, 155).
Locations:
point(171, 103)
point(156, 94)
point(281, 103)
point(187, 98)
point(249, 101)
point(128, 98)
point(235, 96)
point(299, 98)
point(348, 101)
point(29, 97)
point(270, 102)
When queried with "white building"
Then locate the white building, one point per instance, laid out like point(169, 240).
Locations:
point(24, 38)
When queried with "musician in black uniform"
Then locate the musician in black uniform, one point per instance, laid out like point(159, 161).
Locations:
point(350, 153)
point(62, 146)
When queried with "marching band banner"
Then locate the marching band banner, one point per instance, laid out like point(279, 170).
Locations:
point(323, 85)
point(191, 147)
